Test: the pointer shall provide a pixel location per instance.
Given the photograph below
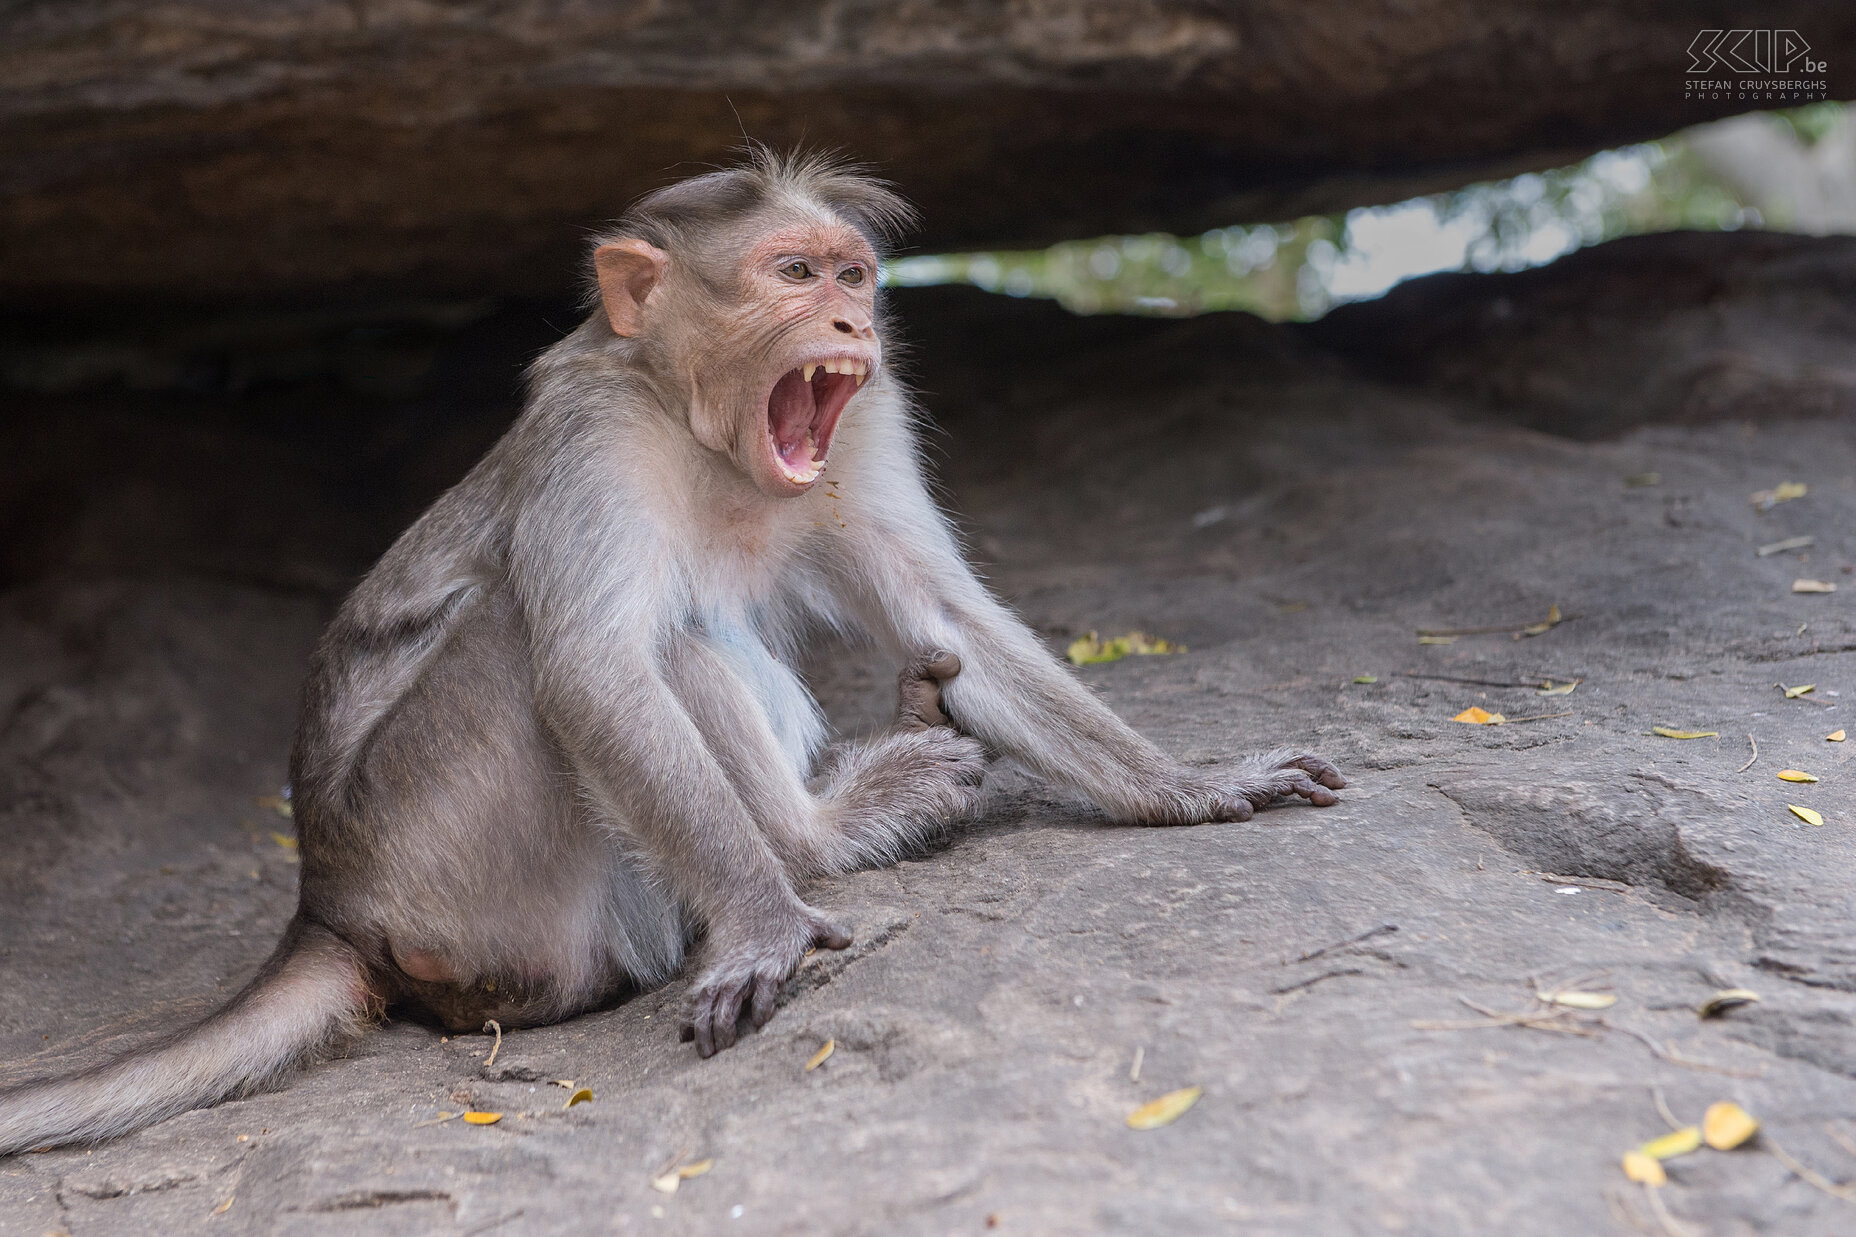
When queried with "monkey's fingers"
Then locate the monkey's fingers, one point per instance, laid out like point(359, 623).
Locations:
point(830, 935)
point(1322, 771)
point(766, 993)
point(918, 689)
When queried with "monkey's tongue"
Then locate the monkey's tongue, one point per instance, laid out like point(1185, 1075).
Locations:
point(790, 413)
point(801, 418)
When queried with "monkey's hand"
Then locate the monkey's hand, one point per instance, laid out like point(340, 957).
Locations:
point(918, 690)
point(1257, 781)
point(747, 969)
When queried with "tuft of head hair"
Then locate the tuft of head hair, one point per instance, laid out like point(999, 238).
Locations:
point(679, 216)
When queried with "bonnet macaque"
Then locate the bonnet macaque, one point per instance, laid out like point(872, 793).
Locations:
point(554, 739)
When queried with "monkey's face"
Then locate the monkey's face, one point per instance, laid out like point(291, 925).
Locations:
point(807, 313)
point(771, 350)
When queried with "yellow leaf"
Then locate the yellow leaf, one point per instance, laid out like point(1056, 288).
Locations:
point(818, 1058)
point(1670, 1145)
point(1478, 716)
point(1792, 693)
point(1805, 814)
point(1365, 678)
point(580, 1096)
point(1835, 736)
point(1784, 492)
point(1726, 999)
point(1726, 1125)
point(1564, 689)
point(482, 1118)
point(277, 803)
point(1436, 639)
point(1796, 775)
point(1092, 650)
point(1669, 733)
point(1582, 1000)
point(226, 1206)
point(1165, 1110)
point(284, 840)
point(695, 1170)
point(1643, 1169)
point(1813, 586)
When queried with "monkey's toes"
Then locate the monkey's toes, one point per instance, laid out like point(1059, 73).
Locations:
point(1322, 770)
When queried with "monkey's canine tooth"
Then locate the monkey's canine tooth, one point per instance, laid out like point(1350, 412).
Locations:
point(806, 372)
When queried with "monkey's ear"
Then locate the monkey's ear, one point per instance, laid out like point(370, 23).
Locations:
point(628, 270)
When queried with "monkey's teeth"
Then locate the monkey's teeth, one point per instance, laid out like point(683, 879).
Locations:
point(806, 372)
point(831, 367)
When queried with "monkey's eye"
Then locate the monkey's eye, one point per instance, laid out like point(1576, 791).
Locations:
point(851, 276)
point(796, 270)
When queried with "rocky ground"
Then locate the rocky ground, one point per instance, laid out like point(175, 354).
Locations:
point(1293, 506)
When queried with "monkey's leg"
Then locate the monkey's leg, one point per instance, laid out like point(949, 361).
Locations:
point(904, 574)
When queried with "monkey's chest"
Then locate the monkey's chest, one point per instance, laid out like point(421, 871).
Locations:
point(770, 687)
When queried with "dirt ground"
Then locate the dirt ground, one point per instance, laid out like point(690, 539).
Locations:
point(1291, 504)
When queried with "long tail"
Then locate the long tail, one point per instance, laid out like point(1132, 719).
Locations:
point(312, 994)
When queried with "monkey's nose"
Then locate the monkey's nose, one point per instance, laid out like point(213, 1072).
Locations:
point(859, 332)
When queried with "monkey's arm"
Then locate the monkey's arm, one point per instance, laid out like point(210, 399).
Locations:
point(914, 590)
point(594, 626)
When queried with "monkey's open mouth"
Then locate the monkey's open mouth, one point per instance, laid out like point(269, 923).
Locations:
point(802, 414)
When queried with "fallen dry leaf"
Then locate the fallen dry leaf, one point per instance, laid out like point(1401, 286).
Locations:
point(276, 803)
point(1835, 736)
point(1365, 678)
point(818, 1058)
point(1796, 775)
point(1726, 999)
point(1726, 1125)
point(1581, 1000)
point(1644, 1169)
point(284, 840)
point(1091, 649)
point(1479, 717)
point(1165, 1110)
point(1563, 689)
point(482, 1118)
point(1792, 693)
point(1437, 639)
point(1813, 586)
point(1642, 480)
point(1671, 733)
point(580, 1096)
point(1672, 1144)
point(1784, 492)
point(226, 1206)
point(695, 1170)
point(668, 1183)
point(1805, 814)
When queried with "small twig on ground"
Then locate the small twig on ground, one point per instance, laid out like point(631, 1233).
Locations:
point(440, 1119)
point(1538, 717)
point(1557, 1019)
point(1134, 1071)
point(498, 1222)
point(1498, 629)
point(1750, 759)
point(1451, 678)
point(1671, 1225)
point(1805, 1173)
point(1367, 935)
point(1662, 1109)
point(1790, 543)
point(1585, 882)
point(493, 1025)
point(1675, 1058)
point(1842, 1139)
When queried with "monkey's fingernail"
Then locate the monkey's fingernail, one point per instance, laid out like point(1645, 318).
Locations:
point(807, 371)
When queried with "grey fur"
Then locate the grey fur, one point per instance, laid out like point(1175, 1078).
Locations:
point(554, 736)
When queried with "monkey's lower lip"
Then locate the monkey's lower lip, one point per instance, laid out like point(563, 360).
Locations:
point(801, 418)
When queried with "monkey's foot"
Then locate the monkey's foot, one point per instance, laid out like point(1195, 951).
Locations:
point(918, 689)
point(1262, 779)
point(748, 977)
